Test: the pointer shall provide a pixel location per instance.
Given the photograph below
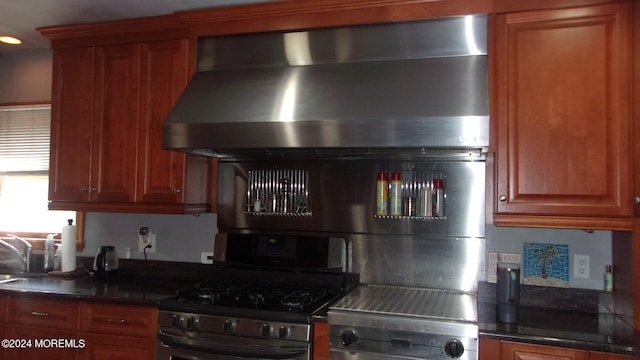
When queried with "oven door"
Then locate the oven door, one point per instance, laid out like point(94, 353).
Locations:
point(221, 347)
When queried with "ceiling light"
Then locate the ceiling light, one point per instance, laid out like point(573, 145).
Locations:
point(10, 40)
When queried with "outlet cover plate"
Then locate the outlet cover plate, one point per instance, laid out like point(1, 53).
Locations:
point(581, 266)
point(206, 257)
point(147, 240)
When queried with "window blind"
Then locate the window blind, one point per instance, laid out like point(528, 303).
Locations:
point(25, 131)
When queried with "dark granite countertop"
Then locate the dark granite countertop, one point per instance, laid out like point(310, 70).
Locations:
point(573, 318)
point(136, 283)
point(121, 290)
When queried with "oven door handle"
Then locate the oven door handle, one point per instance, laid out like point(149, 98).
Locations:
point(173, 341)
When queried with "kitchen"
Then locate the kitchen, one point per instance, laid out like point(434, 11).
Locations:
point(189, 229)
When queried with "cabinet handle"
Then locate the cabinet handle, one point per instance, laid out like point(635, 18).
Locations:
point(39, 313)
point(502, 198)
point(178, 190)
point(119, 321)
point(636, 200)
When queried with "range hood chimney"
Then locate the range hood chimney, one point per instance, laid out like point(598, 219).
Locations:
point(416, 87)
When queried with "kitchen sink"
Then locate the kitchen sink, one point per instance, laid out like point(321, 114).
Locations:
point(9, 278)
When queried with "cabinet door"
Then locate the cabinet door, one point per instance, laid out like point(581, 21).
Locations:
point(518, 351)
point(593, 355)
point(166, 69)
point(563, 119)
point(109, 347)
point(41, 343)
point(115, 132)
point(71, 125)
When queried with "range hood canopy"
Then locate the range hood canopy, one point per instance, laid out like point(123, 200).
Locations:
point(416, 88)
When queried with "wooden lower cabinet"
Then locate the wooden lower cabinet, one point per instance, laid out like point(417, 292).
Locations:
point(320, 341)
point(493, 349)
point(36, 325)
point(518, 351)
point(37, 343)
point(60, 329)
point(116, 331)
point(111, 347)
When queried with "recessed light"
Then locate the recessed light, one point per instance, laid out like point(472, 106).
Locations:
point(10, 40)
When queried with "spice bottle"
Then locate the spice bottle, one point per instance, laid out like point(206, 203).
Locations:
point(382, 193)
point(438, 197)
point(426, 201)
point(396, 194)
point(608, 278)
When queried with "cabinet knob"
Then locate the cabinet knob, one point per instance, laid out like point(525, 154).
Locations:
point(92, 189)
point(636, 200)
point(84, 189)
point(178, 190)
point(502, 198)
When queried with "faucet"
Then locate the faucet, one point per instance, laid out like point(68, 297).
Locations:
point(25, 256)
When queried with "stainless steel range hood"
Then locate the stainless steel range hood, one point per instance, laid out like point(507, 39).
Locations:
point(411, 88)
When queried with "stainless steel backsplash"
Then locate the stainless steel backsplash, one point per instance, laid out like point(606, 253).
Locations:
point(414, 251)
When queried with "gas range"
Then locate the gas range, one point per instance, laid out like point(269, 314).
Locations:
point(252, 312)
point(280, 300)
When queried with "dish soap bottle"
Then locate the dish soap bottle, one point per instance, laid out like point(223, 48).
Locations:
point(49, 253)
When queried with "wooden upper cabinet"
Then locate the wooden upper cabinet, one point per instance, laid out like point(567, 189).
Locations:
point(561, 112)
point(108, 108)
point(71, 119)
point(163, 174)
point(115, 130)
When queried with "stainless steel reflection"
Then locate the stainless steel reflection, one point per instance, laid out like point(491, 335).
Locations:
point(342, 194)
point(374, 86)
point(393, 322)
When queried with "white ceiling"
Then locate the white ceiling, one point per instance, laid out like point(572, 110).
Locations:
point(21, 18)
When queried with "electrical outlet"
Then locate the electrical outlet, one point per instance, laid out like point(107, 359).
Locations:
point(145, 240)
point(492, 265)
point(510, 258)
point(206, 257)
point(581, 266)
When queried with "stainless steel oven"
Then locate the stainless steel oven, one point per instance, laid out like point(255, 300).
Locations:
point(189, 336)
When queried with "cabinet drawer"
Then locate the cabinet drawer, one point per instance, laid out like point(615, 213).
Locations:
point(118, 319)
point(38, 311)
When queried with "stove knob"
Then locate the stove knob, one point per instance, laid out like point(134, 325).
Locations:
point(349, 337)
point(284, 331)
point(192, 322)
point(266, 330)
point(177, 320)
point(228, 327)
point(454, 348)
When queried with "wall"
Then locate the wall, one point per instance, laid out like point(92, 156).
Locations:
point(178, 237)
point(25, 76)
point(597, 245)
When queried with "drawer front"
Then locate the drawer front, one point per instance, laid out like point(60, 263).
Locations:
point(39, 311)
point(118, 319)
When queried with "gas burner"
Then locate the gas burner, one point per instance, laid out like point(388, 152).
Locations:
point(267, 296)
